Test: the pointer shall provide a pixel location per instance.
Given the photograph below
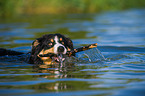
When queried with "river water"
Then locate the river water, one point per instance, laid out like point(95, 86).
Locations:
point(119, 71)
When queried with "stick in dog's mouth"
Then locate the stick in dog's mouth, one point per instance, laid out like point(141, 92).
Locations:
point(82, 49)
point(61, 57)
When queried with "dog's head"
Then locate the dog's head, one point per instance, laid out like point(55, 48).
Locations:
point(50, 47)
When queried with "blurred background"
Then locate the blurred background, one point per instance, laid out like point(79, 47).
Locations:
point(37, 7)
point(24, 20)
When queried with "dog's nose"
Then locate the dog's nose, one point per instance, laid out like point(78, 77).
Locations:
point(60, 49)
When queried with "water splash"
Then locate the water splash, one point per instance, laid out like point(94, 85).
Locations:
point(92, 55)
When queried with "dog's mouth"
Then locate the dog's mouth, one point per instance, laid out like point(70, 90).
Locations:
point(55, 57)
point(58, 58)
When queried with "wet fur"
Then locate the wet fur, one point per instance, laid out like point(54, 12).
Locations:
point(42, 43)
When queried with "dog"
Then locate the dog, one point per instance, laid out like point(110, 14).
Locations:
point(50, 49)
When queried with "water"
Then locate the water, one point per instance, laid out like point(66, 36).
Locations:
point(121, 40)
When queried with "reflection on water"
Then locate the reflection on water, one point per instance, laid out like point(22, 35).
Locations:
point(119, 71)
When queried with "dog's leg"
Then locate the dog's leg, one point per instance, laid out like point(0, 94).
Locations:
point(4, 52)
point(82, 49)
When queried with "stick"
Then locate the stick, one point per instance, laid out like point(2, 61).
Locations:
point(74, 51)
point(82, 49)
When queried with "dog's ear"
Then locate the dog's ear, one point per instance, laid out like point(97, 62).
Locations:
point(35, 43)
point(39, 40)
point(36, 48)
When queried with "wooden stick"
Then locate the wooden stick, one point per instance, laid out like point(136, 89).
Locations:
point(74, 51)
point(82, 49)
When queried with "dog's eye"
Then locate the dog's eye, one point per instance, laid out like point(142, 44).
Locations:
point(62, 42)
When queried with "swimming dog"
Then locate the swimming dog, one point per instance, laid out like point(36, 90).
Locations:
point(50, 47)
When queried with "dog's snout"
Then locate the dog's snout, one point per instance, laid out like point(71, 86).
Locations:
point(60, 49)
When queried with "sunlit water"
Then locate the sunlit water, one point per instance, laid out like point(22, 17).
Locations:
point(119, 70)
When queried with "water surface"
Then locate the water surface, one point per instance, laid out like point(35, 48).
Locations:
point(121, 39)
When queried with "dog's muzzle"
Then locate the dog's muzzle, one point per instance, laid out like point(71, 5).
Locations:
point(58, 55)
point(60, 49)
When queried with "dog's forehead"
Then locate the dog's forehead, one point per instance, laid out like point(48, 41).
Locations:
point(53, 38)
point(58, 38)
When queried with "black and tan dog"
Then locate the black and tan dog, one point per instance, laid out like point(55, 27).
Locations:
point(48, 48)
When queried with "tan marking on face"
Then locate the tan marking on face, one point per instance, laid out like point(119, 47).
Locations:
point(46, 60)
point(62, 42)
point(60, 39)
point(35, 43)
point(52, 40)
point(51, 50)
point(41, 52)
point(68, 49)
